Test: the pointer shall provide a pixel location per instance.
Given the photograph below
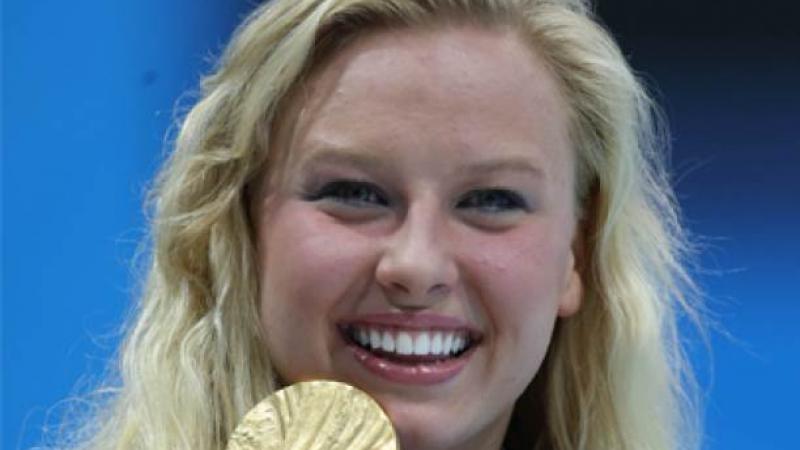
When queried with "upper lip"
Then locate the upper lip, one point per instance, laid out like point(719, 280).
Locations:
point(413, 321)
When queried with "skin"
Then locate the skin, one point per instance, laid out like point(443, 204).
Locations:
point(431, 119)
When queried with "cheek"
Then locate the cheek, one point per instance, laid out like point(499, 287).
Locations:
point(519, 286)
point(308, 264)
point(306, 252)
point(302, 262)
point(520, 279)
point(525, 264)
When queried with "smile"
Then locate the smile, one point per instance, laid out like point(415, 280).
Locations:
point(410, 351)
point(409, 345)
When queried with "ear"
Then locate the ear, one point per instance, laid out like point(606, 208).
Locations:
point(572, 291)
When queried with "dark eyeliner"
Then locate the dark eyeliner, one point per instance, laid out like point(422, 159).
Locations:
point(347, 192)
point(486, 200)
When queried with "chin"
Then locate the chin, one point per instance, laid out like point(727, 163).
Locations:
point(420, 428)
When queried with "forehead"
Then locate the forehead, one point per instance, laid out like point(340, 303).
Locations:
point(465, 60)
point(473, 83)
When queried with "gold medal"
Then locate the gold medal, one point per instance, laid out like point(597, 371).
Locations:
point(315, 415)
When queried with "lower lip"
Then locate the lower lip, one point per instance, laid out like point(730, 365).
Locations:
point(421, 373)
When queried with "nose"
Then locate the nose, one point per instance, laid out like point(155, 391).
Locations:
point(416, 268)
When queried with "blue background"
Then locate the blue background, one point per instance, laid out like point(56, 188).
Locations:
point(88, 93)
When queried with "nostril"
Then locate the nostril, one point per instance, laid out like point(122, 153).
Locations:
point(439, 289)
point(400, 287)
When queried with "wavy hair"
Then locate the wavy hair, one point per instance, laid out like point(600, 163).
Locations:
point(615, 377)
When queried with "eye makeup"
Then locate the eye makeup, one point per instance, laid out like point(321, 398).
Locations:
point(494, 200)
point(349, 192)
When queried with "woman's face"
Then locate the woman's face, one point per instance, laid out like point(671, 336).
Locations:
point(417, 242)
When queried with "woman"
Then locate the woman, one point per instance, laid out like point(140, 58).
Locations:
point(456, 205)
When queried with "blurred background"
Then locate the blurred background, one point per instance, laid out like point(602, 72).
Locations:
point(88, 93)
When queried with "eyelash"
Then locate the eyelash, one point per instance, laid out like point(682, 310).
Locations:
point(486, 200)
point(365, 194)
point(351, 192)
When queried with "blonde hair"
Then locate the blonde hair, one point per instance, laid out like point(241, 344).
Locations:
point(615, 377)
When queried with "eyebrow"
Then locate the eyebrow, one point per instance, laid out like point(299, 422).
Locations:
point(510, 164)
point(344, 157)
point(372, 162)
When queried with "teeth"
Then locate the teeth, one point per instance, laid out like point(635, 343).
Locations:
point(421, 343)
point(374, 338)
point(404, 344)
point(447, 345)
point(436, 344)
point(363, 337)
point(458, 344)
point(387, 344)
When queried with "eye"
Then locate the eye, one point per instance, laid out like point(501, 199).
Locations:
point(350, 192)
point(493, 201)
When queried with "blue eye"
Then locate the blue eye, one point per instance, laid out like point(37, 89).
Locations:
point(493, 201)
point(350, 192)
